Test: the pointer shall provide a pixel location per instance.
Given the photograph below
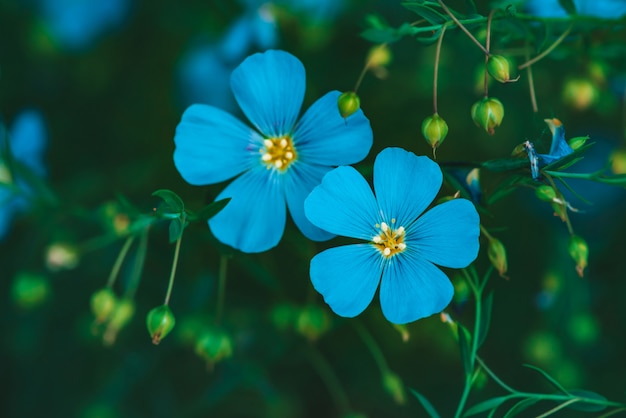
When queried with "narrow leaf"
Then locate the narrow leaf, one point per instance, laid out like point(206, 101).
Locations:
point(585, 406)
point(430, 409)
point(485, 319)
point(431, 15)
point(549, 378)
point(176, 229)
point(489, 404)
point(520, 407)
point(211, 210)
point(465, 349)
point(172, 200)
point(471, 7)
point(569, 6)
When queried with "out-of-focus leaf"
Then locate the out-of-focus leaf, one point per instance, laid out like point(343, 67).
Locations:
point(471, 6)
point(487, 405)
point(585, 406)
point(549, 378)
point(569, 6)
point(430, 409)
point(464, 348)
point(485, 319)
point(173, 202)
point(520, 407)
point(505, 164)
point(506, 187)
point(211, 209)
point(431, 15)
point(176, 229)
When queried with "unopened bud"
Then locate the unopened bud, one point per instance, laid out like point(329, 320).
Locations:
point(579, 251)
point(618, 161)
point(434, 129)
point(61, 256)
point(379, 56)
point(499, 67)
point(29, 290)
point(580, 93)
point(545, 193)
point(497, 255)
point(348, 103)
point(394, 386)
point(577, 142)
point(488, 113)
point(103, 304)
point(214, 346)
point(312, 321)
point(160, 321)
point(120, 317)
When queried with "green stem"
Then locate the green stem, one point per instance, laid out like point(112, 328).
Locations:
point(494, 376)
point(462, 27)
point(369, 342)
point(221, 288)
point(140, 258)
point(118, 261)
point(170, 285)
point(531, 84)
point(330, 379)
point(549, 49)
point(436, 67)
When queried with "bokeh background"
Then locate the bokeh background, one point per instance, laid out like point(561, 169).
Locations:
point(111, 80)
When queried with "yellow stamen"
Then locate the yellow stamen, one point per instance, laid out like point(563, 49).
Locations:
point(389, 241)
point(278, 153)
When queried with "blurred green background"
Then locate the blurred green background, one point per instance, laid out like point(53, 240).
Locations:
point(111, 108)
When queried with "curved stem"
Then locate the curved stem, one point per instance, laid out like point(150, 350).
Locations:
point(170, 285)
point(118, 261)
point(436, 67)
point(463, 28)
point(547, 51)
point(531, 84)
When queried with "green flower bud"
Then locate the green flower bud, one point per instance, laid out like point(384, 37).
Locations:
point(618, 161)
point(580, 93)
point(312, 321)
point(61, 256)
point(120, 317)
point(213, 346)
point(348, 103)
point(499, 68)
point(29, 290)
point(434, 129)
point(545, 193)
point(579, 251)
point(103, 304)
point(379, 56)
point(394, 386)
point(497, 255)
point(488, 113)
point(160, 321)
point(577, 142)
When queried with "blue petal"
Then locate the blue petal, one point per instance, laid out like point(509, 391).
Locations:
point(412, 288)
point(254, 220)
point(269, 88)
point(343, 204)
point(347, 277)
point(405, 184)
point(299, 181)
point(213, 146)
point(446, 235)
point(28, 139)
point(559, 147)
point(324, 137)
point(237, 40)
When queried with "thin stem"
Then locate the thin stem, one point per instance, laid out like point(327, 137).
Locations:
point(494, 376)
point(550, 48)
point(118, 261)
point(436, 68)
point(488, 48)
point(463, 28)
point(327, 374)
point(373, 347)
point(559, 407)
point(170, 285)
point(221, 288)
point(483, 231)
point(140, 258)
point(531, 84)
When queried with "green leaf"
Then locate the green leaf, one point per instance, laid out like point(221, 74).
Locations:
point(549, 378)
point(568, 160)
point(487, 405)
point(176, 229)
point(585, 406)
point(569, 6)
point(431, 15)
point(520, 407)
point(211, 209)
point(174, 204)
point(505, 164)
point(471, 7)
point(507, 187)
point(485, 319)
point(464, 348)
point(432, 413)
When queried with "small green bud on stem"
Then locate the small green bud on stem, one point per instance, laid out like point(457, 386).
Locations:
point(488, 113)
point(103, 304)
point(499, 67)
point(545, 193)
point(434, 129)
point(348, 103)
point(160, 321)
point(497, 256)
point(213, 346)
point(29, 290)
point(394, 386)
point(579, 251)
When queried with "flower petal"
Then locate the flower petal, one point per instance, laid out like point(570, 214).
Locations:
point(405, 184)
point(28, 140)
point(412, 288)
point(299, 182)
point(254, 220)
point(447, 235)
point(269, 88)
point(343, 204)
point(347, 277)
point(324, 137)
point(212, 145)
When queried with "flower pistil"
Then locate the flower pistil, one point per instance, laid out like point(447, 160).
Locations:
point(278, 152)
point(389, 241)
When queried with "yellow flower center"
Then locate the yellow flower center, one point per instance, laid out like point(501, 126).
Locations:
point(389, 241)
point(278, 153)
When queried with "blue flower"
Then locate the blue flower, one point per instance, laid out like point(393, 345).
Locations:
point(610, 9)
point(24, 152)
point(559, 147)
point(403, 245)
point(76, 23)
point(276, 164)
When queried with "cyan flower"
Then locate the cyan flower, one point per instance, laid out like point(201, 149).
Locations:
point(559, 147)
point(23, 153)
point(609, 9)
point(279, 162)
point(404, 245)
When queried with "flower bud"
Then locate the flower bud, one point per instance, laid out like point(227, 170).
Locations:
point(577, 142)
point(61, 256)
point(29, 290)
point(618, 161)
point(348, 103)
point(545, 193)
point(379, 56)
point(580, 93)
point(312, 321)
point(488, 113)
point(160, 321)
point(498, 67)
point(434, 129)
point(103, 304)
point(120, 317)
point(579, 251)
point(284, 316)
point(497, 255)
point(394, 386)
point(214, 346)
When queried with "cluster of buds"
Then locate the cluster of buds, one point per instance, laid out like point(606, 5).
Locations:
point(310, 321)
point(111, 313)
